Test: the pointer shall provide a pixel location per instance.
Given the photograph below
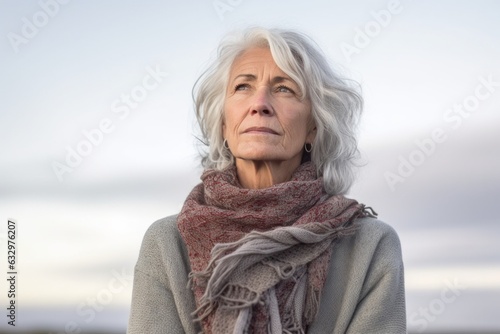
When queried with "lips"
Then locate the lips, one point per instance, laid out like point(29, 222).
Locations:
point(260, 129)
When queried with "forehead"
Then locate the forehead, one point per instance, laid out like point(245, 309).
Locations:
point(253, 60)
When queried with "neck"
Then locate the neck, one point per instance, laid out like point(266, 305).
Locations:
point(259, 174)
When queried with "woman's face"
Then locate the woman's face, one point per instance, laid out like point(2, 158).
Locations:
point(264, 118)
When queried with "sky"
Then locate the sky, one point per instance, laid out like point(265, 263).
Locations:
point(99, 141)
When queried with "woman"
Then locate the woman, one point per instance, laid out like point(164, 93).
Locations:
point(267, 243)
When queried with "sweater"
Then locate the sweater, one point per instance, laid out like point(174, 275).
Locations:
point(363, 291)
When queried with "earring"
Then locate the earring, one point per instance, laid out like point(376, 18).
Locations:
point(225, 144)
point(308, 147)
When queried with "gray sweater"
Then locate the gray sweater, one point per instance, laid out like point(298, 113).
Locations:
point(363, 293)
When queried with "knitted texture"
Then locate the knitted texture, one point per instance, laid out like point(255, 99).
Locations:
point(259, 257)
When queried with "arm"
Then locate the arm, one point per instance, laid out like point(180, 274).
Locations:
point(364, 289)
point(161, 301)
point(153, 308)
point(381, 306)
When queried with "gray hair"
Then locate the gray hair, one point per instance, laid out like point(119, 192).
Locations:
point(336, 102)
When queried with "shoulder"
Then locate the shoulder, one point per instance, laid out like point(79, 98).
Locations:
point(162, 233)
point(374, 231)
point(375, 226)
point(374, 246)
point(162, 247)
point(162, 228)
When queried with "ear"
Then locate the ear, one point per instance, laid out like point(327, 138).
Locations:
point(311, 134)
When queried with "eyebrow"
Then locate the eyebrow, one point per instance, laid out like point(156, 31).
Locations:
point(249, 77)
point(252, 77)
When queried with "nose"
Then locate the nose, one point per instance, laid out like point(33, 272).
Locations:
point(261, 103)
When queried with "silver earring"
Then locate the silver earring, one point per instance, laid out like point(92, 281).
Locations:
point(225, 144)
point(308, 147)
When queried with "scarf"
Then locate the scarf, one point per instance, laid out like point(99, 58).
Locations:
point(259, 257)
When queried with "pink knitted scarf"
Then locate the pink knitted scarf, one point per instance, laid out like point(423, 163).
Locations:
point(259, 258)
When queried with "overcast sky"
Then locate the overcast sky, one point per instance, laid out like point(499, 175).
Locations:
point(85, 170)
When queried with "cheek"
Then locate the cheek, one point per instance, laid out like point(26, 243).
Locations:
point(233, 116)
point(228, 126)
point(230, 122)
point(298, 119)
point(226, 120)
point(297, 127)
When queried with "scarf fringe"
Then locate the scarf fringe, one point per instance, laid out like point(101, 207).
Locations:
point(312, 304)
point(369, 212)
point(232, 297)
point(283, 271)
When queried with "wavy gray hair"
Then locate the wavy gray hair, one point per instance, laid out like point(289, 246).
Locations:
point(336, 102)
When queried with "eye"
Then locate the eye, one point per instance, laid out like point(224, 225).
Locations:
point(241, 87)
point(284, 89)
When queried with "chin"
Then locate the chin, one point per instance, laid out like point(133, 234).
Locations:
point(265, 156)
point(269, 152)
point(259, 157)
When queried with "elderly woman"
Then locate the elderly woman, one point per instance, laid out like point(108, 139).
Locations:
point(267, 243)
